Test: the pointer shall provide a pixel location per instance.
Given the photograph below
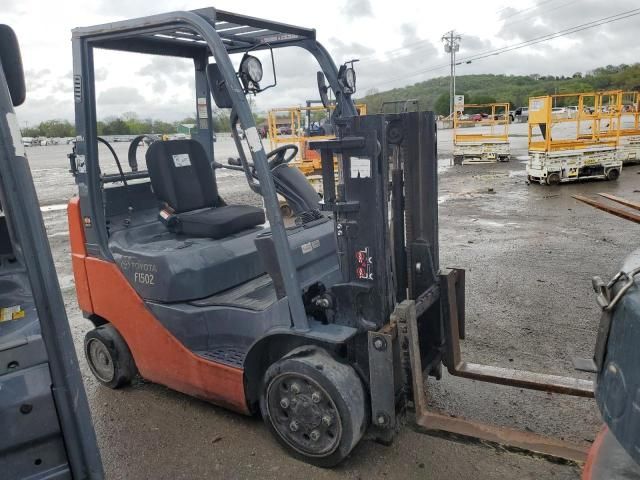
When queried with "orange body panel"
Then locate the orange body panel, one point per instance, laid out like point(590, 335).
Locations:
point(587, 472)
point(78, 254)
point(159, 356)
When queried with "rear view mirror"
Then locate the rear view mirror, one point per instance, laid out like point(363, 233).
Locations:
point(218, 87)
point(323, 90)
point(11, 62)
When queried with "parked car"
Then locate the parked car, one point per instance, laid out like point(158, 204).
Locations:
point(521, 114)
point(478, 117)
point(285, 130)
point(559, 112)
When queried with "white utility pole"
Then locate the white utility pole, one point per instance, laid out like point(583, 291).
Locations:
point(451, 46)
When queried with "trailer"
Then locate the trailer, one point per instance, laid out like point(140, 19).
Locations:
point(481, 133)
point(567, 144)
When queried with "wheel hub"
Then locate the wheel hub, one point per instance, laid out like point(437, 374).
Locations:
point(304, 415)
point(100, 360)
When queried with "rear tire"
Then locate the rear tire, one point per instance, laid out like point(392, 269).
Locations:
point(613, 174)
point(285, 211)
point(109, 357)
point(458, 159)
point(314, 406)
point(553, 179)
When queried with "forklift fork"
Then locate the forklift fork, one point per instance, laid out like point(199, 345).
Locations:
point(452, 306)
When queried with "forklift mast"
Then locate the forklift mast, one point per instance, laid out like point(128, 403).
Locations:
point(44, 414)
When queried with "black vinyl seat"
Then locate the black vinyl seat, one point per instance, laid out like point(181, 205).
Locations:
point(181, 177)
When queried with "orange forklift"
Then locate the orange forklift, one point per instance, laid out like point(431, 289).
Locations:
point(326, 327)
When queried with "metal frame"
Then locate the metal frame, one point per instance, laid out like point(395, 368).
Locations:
point(603, 129)
point(194, 34)
point(29, 237)
point(408, 320)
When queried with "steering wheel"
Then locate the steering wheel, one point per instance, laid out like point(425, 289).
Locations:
point(279, 154)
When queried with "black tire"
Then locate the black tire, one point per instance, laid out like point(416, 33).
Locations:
point(613, 174)
point(553, 179)
point(109, 357)
point(458, 159)
point(323, 399)
point(285, 210)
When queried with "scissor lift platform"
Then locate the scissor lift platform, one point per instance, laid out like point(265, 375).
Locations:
point(483, 140)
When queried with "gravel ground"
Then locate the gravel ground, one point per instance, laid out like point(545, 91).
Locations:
point(529, 252)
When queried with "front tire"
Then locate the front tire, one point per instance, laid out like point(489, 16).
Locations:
point(553, 179)
point(314, 406)
point(109, 357)
point(613, 174)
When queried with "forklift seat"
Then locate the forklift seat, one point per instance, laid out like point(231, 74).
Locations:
point(182, 179)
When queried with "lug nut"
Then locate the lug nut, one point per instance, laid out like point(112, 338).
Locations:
point(314, 435)
point(315, 397)
point(381, 420)
point(326, 420)
point(295, 388)
point(293, 426)
point(284, 403)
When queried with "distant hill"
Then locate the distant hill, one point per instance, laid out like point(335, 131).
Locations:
point(433, 94)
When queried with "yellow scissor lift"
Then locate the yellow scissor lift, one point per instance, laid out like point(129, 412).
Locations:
point(295, 125)
point(629, 128)
point(480, 139)
point(577, 138)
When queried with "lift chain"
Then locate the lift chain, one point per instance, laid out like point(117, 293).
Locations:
point(604, 291)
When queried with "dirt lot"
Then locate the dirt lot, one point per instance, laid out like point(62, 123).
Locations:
point(529, 251)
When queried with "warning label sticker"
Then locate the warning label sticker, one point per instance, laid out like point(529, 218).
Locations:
point(364, 265)
point(202, 107)
point(181, 160)
point(360, 167)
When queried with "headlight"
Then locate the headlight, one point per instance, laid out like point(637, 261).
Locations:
point(350, 79)
point(252, 68)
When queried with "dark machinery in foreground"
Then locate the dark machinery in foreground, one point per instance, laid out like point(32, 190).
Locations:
point(45, 425)
point(615, 454)
point(325, 327)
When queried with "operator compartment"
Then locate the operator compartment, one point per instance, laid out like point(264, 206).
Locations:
point(182, 242)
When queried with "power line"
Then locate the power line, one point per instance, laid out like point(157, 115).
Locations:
point(526, 43)
point(551, 36)
point(423, 44)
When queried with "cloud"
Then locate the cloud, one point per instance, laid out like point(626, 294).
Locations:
point(341, 51)
point(37, 79)
point(132, 9)
point(100, 74)
point(120, 96)
point(357, 9)
point(409, 34)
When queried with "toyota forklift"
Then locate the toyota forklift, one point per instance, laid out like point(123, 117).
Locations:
point(326, 327)
point(45, 424)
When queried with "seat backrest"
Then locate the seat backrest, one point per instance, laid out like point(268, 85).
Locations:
point(181, 175)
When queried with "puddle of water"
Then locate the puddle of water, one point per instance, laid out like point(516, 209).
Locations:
point(53, 208)
point(492, 223)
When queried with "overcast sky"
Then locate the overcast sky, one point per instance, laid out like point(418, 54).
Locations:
point(398, 43)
